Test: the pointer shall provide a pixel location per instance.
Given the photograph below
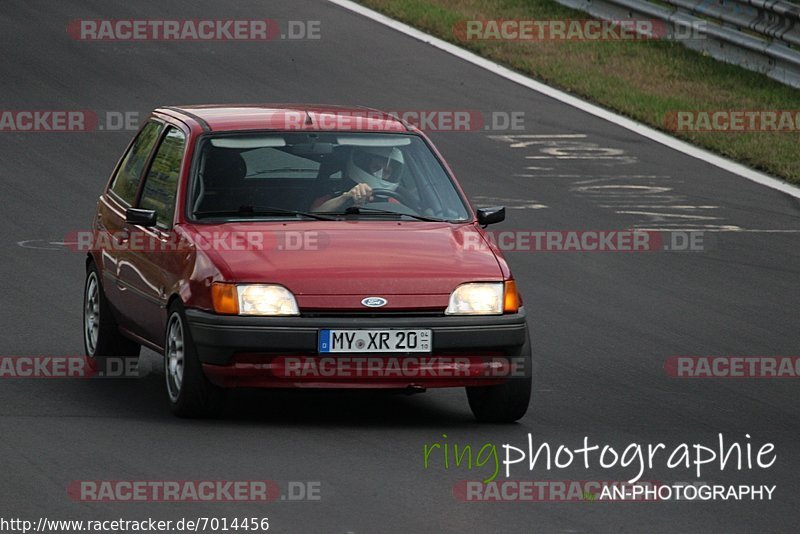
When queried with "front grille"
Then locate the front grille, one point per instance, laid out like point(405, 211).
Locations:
point(370, 314)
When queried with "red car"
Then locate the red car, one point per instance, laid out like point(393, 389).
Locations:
point(301, 246)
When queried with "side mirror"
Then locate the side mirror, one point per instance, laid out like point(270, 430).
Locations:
point(141, 217)
point(495, 214)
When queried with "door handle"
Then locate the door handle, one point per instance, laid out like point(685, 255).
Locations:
point(121, 237)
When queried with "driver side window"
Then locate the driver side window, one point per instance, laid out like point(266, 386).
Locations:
point(161, 185)
point(126, 181)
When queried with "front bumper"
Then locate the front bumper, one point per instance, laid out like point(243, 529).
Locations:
point(241, 351)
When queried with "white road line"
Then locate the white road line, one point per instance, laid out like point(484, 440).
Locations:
point(513, 137)
point(719, 230)
point(600, 177)
point(597, 111)
point(686, 227)
point(670, 215)
point(42, 244)
point(623, 191)
point(625, 186)
point(657, 206)
point(621, 158)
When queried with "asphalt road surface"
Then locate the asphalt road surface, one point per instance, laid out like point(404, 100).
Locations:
point(603, 324)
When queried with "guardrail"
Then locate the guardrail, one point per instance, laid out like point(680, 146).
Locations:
point(759, 35)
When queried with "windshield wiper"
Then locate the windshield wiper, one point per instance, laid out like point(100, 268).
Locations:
point(264, 211)
point(356, 210)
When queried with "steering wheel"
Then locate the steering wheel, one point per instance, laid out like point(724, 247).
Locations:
point(387, 193)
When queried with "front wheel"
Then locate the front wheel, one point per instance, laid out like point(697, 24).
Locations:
point(102, 339)
point(190, 392)
point(507, 402)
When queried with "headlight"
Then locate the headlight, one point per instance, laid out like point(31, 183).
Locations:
point(476, 299)
point(484, 298)
point(266, 300)
point(253, 299)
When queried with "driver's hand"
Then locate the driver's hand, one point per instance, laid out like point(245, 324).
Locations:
point(360, 194)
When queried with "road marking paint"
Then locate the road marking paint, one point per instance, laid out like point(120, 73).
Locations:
point(669, 215)
point(656, 206)
point(623, 159)
point(731, 228)
point(621, 190)
point(606, 177)
point(43, 244)
point(553, 147)
point(514, 137)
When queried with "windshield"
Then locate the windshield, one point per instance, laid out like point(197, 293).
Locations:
point(322, 176)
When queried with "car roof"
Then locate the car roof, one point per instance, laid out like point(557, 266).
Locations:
point(298, 117)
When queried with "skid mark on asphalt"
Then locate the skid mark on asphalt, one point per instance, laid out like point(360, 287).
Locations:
point(565, 147)
point(652, 203)
point(644, 201)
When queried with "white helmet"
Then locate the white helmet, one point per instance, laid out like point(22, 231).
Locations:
point(378, 167)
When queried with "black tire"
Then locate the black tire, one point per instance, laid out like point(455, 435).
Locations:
point(102, 340)
point(507, 402)
point(192, 395)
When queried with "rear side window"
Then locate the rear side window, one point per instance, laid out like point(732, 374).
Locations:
point(161, 184)
point(126, 182)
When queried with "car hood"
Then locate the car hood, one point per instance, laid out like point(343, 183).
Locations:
point(360, 258)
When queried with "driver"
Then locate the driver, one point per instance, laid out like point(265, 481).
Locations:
point(369, 168)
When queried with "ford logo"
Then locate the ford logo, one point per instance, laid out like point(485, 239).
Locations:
point(374, 302)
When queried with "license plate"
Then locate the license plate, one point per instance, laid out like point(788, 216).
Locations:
point(374, 341)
